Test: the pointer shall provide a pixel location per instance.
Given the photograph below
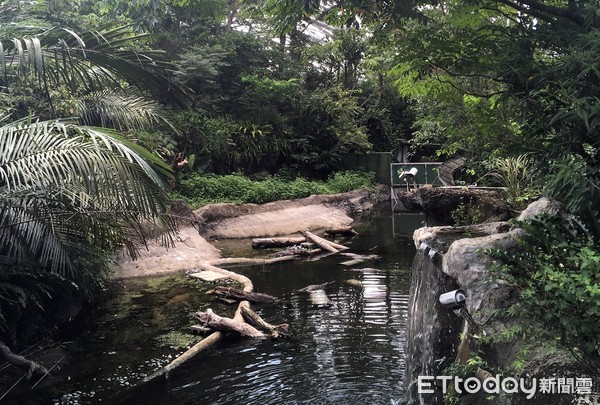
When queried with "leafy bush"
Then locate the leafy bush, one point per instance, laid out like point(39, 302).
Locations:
point(467, 213)
point(235, 188)
point(342, 182)
point(514, 174)
point(557, 271)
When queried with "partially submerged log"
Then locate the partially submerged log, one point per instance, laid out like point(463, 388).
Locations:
point(320, 242)
point(314, 287)
point(364, 257)
point(245, 261)
point(258, 243)
point(234, 293)
point(319, 254)
point(314, 238)
point(216, 322)
point(319, 299)
point(341, 230)
point(336, 245)
point(358, 259)
point(255, 320)
point(21, 362)
point(214, 337)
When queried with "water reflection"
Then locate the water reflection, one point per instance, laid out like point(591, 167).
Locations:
point(352, 353)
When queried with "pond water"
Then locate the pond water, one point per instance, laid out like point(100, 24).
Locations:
point(351, 353)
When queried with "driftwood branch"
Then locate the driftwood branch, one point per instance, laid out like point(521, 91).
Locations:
point(341, 230)
point(21, 362)
point(320, 242)
point(240, 295)
point(216, 322)
point(255, 320)
point(259, 243)
point(244, 261)
point(314, 287)
point(214, 337)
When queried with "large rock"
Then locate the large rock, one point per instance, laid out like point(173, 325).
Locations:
point(285, 217)
point(456, 261)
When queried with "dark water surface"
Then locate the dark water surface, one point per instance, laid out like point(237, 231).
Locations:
point(352, 353)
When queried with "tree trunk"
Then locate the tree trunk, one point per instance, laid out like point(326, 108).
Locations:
point(234, 293)
point(312, 237)
point(216, 322)
point(21, 362)
point(258, 243)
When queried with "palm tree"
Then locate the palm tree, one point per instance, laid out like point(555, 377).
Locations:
point(64, 187)
point(70, 193)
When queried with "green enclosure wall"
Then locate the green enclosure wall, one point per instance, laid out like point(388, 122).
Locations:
point(378, 162)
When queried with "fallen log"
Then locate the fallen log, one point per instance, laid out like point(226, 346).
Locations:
point(336, 245)
point(21, 362)
point(255, 320)
point(234, 293)
point(319, 254)
point(314, 287)
point(245, 261)
point(216, 322)
point(320, 242)
point(202, 345)
point(341, 230)
point(211, 339)
point(311, 236)
point(259, 243)
point(358, 259)
point(319, 299)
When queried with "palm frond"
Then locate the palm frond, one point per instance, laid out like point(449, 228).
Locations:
point(122, 112)
point(93, 59)
point(65, 188)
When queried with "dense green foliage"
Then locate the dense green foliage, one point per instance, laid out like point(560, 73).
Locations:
point(557, 271)
point(199, 190)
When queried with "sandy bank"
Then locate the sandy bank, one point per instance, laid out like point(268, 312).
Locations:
point(219, 221)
